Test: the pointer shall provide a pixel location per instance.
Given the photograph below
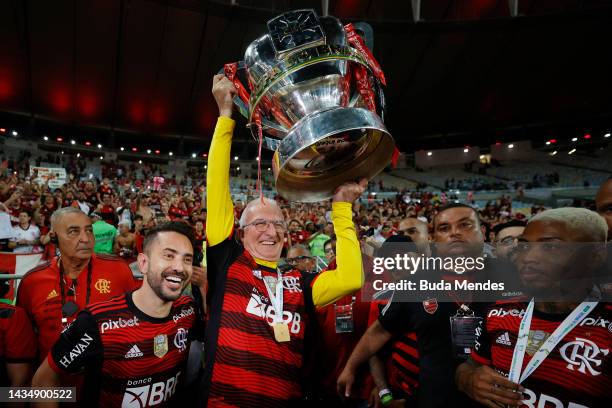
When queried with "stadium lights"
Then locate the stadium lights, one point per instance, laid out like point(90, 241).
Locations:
point(482, 156)
point(193, 155)
point(257, 158)
point(59, 139)
point(574, 139)
point(157, 152)
point(121, 148)
point(571, 151)
point(148, 151)
point(134, 149)
point(88, 143)
point(101, 157)
point(429, 153)
point(15, 133)
point(607, 135)
point(72, 142)
point(205, 166)
point(62, 152)
point(99, 146)
point(466, 150)
point(139, 161)
point(548, 143)
point(510, 146)
point(78, 154)
point(553, 153)
point(235, 157)
point(2, 130)
point(45, 138)
point(269, 169)
point(170, 154)
point(238, 168)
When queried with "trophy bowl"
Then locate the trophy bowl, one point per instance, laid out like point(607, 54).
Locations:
point(316, 100)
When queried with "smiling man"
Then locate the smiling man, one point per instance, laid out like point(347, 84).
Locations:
point(53, 293)
point(133, 349)
point(258, 316)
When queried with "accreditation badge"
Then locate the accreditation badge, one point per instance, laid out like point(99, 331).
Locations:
point(463, 333)
point(344, 318)
point(160, 345)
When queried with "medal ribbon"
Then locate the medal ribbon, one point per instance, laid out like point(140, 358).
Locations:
point(571, 321)
point(276, 299)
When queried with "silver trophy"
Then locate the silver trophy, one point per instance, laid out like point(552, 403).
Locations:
point(316, 100)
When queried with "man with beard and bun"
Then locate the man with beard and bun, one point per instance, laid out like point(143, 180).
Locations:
point(133, 348)
point(552, 351)
point(258, 316)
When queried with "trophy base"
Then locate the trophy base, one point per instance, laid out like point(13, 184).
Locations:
point(328, 148)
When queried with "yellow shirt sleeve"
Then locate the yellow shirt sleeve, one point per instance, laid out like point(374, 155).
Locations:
point(219, 206)
point(348, 277)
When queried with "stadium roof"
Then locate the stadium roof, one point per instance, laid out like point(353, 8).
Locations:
point(466, 68)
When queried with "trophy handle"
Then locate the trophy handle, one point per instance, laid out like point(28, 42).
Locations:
point(366, 31)
point(241, 100)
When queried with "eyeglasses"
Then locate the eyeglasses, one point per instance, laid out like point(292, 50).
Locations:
point(262, 225)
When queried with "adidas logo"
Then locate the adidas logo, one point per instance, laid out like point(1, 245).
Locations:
point(52, 294)
point(504, 339)
point(134, 352)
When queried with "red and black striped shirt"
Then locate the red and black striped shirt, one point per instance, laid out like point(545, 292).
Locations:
point(130, 359)
point(245, 365)
point(578, 371)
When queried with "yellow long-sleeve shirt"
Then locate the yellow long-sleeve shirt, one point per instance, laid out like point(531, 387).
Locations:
point(328, 286)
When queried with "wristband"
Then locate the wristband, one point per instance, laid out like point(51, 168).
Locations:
point(385, 396)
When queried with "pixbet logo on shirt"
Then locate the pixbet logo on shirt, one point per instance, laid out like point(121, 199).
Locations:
point(597, 322)
point(149, 395)
point(504, 313)
point(119, 323)
point(183, 313)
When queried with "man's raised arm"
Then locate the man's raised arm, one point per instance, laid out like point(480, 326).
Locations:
point(347, 278)
point(220, 219)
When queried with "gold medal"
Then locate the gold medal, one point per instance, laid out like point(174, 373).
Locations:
point(281, 332)
point(160, 345)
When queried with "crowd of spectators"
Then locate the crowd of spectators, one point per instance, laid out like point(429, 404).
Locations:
point(130, 199)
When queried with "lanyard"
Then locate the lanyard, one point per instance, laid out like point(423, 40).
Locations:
point(276, 299)
point(571, 321)
point(62, 284)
